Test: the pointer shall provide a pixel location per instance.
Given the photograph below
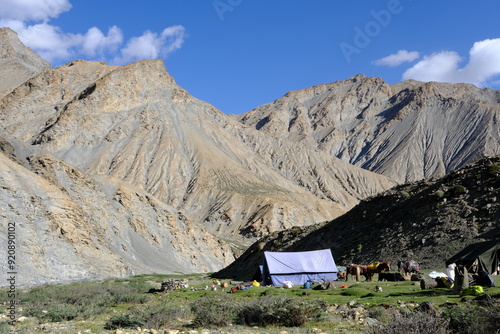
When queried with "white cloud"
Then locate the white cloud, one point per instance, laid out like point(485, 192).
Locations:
point(32, 10)
point(30, 19)
point(46, 40)
point(52, 44)
point(483, 65)
point(442, 66)
point(398, 58)
point(95, 42)
point(152, 45)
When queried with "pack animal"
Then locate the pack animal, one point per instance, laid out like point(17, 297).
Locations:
point(408, 267)
point(368, 271)
point(376, 268)
point(355, 270)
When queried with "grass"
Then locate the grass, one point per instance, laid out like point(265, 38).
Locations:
point(106, 306)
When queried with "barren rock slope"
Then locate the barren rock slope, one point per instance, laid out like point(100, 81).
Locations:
point(121, 164)
point(408, 131)
point(18, 63)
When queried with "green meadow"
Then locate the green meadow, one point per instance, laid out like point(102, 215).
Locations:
point(136, 302)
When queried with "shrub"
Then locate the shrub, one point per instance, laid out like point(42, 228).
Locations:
point(459, 189)
point(411, 323)
point(66, 302)
point(123, 321)
point(214, 310)
point(405, 194)
point(493, 169)
point(62, 312)
point(472, 318)
point(280, 311)
point(439, 193)
point(296, 230)
point(159, 316)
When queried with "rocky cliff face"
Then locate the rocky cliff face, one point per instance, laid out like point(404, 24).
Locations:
point(109, 171)
point(408, 131)
point(70, 226)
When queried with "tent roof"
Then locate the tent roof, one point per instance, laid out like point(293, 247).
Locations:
point(318, 261)
point(487, 252)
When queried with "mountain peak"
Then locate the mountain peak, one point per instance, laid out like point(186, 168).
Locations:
point(367, 122)
point(18, 62)
point(358, 77)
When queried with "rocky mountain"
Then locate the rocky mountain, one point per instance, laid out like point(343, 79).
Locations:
point(108, 171)
point(18, 63)
point(70, 226)
point(407, 131)
point(428, 221)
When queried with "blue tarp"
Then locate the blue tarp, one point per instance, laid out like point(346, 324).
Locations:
point(299, 267)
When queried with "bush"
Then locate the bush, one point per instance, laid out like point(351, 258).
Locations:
point(439, 193)
point(458, 189)
point(382, 313)
point(66, 302)
point(296, 230)
point(411, 323)
point(62, 312)
point(472, 318)
point(123, 321)
point(280, 311)
point(159, 316)
point(215, 310)
point(493, 169)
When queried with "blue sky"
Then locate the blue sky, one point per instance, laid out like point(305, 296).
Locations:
point(239, 54)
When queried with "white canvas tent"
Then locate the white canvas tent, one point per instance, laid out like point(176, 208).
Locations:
point(298, 267)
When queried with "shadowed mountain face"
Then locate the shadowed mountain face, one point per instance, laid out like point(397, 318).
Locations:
point(109, 171)
point(427, 221)
point(408, 131)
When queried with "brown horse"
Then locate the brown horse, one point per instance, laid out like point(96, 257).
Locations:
point(356, 270)
point(376, 268)
point(368, 271)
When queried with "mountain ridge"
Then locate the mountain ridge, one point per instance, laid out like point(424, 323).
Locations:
point(143, 174)
point(17, 61)
point(120, 163)
point(408, 131)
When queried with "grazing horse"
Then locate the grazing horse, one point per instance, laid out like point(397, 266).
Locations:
point(379, 267)
point(368, 271)
point(408, 267)
point(355, 270)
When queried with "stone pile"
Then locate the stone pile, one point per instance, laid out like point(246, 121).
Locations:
point(174, 284)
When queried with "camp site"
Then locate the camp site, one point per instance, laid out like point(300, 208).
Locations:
point(292, 292)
